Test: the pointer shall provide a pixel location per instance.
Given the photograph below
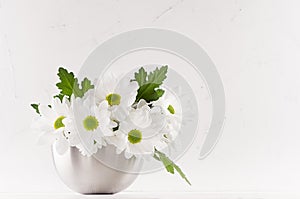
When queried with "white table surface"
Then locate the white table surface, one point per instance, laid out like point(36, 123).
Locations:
point(152, 195)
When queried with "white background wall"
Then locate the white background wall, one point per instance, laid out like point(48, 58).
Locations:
point(254, 44)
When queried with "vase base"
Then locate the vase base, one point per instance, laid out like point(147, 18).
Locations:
point(89, 176)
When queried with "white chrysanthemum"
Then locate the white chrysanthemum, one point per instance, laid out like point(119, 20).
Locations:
point(140, 132)
point(70, 130)
point(92, 122)
point(170, 106)
point(120, 95)
point(51, 124)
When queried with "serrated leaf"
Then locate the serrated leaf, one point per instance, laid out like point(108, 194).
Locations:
point(36, 108)
point(59, 96)
point(76, 90)
point(169, 164)
point(66, 83)
point(69, 85)
point(149, 84)
point(85, 86)
point(158, 75)
point(149, 92)
point(141, 76)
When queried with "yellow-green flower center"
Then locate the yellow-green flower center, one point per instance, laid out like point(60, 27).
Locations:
point(171, 109)
point(58, 122)
point(90, 123)
point(113, 99)
point(135, 136)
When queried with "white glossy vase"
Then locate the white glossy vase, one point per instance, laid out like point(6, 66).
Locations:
point(88, 175)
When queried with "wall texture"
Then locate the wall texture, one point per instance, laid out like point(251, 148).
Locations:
point(254, 44)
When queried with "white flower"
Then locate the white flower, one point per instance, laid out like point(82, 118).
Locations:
point(92, 123)
point(51, 124)
point(120, 95)
point(170, 106)
point(140, 133)
point(70, 130)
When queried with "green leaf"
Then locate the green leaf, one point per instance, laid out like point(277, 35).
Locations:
point(169, 164)
point(158, 75)
point(141, 77)
point(149, 92)
point(35, 107)
point(181, 173)
point(85, 86)
point(160, 92)
point(149, 84)
point(156, 157)
point(76, 90)
point(59, 96)
point(69, 85)
point(66, 83)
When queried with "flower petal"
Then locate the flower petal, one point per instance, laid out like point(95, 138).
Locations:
point(47, 112)
point(61, 145)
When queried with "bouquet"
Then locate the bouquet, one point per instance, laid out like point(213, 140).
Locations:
point(138, 115)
